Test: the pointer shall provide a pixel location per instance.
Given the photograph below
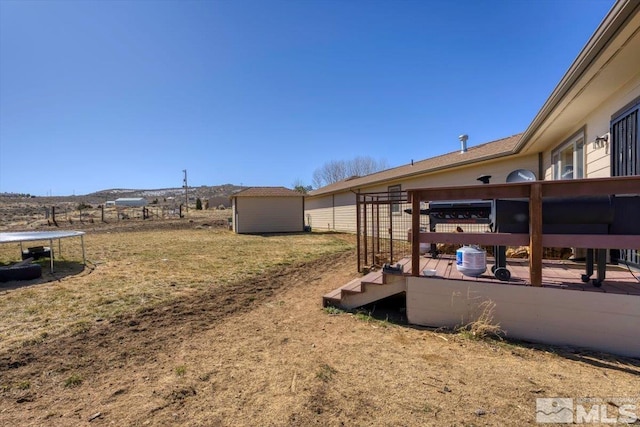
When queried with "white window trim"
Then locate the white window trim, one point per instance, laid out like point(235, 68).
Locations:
point(395, 191)
point(555, 156)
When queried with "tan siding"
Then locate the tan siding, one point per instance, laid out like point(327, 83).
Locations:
point(597, 123)
point(269, 214)
point(401, 223)
point(346, 219)
point(598, 160)
point(499, 170)
point(334, 212)
point(321, 219)
point(599, 166)
point(345, 212)
point(319, 213)
point(596, 320)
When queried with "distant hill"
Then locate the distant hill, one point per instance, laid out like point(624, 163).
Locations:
point(216, 195)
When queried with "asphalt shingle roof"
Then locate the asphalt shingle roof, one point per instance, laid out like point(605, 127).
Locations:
point(268, 192)
point(489, 150)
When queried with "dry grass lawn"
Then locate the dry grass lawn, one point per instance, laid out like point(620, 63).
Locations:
point(132, 271)
point(196, 326)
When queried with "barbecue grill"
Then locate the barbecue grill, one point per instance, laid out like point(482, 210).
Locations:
point(577, 215)
point(612, 215)
point(458, 212)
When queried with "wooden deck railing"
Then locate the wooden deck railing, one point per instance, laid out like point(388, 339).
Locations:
point(535, 191)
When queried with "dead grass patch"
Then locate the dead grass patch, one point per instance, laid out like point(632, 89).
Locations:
point(133, 271)
point(73, 381)
point(484, 326)
point(326, 373)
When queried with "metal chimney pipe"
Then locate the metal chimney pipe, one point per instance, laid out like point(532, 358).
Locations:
point(463, 142)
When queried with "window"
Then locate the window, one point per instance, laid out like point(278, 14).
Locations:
point(395, 195)
point(568, 159)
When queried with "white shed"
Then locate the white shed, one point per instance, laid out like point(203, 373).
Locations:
point(130, 202)
point(268, 210)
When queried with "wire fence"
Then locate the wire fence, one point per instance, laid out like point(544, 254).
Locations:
point(383, 228)
point(54, 215)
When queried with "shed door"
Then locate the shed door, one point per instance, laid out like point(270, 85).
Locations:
point(626, 159)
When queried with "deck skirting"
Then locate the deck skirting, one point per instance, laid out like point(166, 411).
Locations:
point(596, 320)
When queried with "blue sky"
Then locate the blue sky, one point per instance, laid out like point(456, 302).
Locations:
point(127, 94)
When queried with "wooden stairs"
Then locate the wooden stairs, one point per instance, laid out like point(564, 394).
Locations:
point(364, 290)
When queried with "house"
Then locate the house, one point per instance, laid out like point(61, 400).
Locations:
point(267, 210)
point(334, 207)
point(587, 128)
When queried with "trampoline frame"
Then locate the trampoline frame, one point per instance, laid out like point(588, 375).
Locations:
point(33, 236)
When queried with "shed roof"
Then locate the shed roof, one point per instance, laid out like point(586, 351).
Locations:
point(490, 150)
point(268, 192)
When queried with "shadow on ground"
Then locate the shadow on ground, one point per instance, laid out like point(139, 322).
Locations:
point(62, 270)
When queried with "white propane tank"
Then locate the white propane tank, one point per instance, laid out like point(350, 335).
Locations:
point(424, 247)
point(471, 261)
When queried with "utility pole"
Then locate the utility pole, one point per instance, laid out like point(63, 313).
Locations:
point(186, 190)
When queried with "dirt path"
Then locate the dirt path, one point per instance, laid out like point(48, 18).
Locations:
point(265, 353)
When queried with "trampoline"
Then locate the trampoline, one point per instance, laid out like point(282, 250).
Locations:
point(33, 236)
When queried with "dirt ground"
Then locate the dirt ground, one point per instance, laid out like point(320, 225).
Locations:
point(264, 352)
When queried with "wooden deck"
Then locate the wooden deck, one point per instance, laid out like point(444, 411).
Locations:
point(562, 311)
point(555, 274)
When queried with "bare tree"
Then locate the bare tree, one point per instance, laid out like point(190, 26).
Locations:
point(338, 170)
point(300, 187)
point(317, 179)
point(365, 165)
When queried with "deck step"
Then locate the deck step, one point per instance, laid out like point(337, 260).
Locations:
point(354, 286)
point(335, 294)
point(373, 278)
point(364, 290)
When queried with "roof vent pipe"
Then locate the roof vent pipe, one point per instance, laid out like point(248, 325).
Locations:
point(463, 142)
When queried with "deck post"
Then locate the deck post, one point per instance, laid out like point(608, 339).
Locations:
point(415, 233)
point(535, 234)
point(376, 244)
point(358, 230)
point(365, 242)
